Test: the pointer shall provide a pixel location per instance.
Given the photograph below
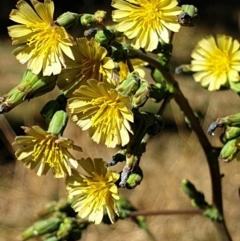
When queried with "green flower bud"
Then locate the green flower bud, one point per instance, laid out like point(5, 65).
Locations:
point(30, 86)
point(42, 227)
point(99, 16)
point(213, 214)
point(64, 230)
point(58, 122)
point(189, 16)
point(141, 95)
point(68, 20)
point(231, 132)
point(87, 20)
point(130, 85)
point(229, 150)
point(104, 36)
point(53, 238)
point(134, 178)
point(188, 188)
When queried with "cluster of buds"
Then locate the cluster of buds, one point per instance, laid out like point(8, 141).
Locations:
point(31, 86)
point(230, 137)
point(145, 125)
point(135, 87)
point(71, 20)
point(198, 201)
point(57, 222)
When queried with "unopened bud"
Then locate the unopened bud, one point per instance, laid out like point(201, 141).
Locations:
point(130, 85)
point(87, 20)
point(141, 95)
point(58, 122)
point(99, 16)
point(213, 214)
point(68, 20)
point(42, 227)
point(232, 132)
point(189, 16)
point(31, 86)
point(134, 178)
point(104, 36)
point(229, 150)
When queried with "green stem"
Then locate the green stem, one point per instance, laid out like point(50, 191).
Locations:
point(211, 153)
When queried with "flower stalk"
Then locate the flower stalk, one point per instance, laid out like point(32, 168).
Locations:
point(210, 152)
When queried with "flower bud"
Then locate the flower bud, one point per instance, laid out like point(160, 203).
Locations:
point(104, 36)
point(68, 20)
point(229, 151)
point(99, 16)
point(87, 20)
point(134, 178)
point(53, 238)
point(42, 227)
point(231, 132)
point(58, 122)
point(64, 229)
point(130, 85)
point(213, 214)
point(141, 95)
point(30, 86)
point(189, 16)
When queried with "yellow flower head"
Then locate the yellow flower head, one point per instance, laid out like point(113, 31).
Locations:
point(90, 63)
point(94, 193)
point(99, 108)
point(145, 21)
point(42, 41)
point(47, 151)
point(216, 62)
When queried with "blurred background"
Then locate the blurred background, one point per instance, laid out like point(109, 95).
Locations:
point(172, 156)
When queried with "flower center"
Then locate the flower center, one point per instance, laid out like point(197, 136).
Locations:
point(49, 150)
point(106, 114)
point(97, 187)
point(45, 38)
point(219, 62)
point(150, 12)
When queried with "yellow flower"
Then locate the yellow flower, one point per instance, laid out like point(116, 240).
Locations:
point(90, 63)
point(216, 62)
point(99, 108)
point(95, 193)
point(45, 151)
point(42, 41)
point(145, 21)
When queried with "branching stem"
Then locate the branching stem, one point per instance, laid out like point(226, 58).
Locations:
point(211, 153)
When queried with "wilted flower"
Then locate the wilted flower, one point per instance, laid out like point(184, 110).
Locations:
point(146, 21)
point(94, 193)
point(101, 109)
point(90, 63)
point(216, 62)
point(42, 41)
point(45, 151)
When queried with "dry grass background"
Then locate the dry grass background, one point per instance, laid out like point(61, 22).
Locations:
point(172, 156)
